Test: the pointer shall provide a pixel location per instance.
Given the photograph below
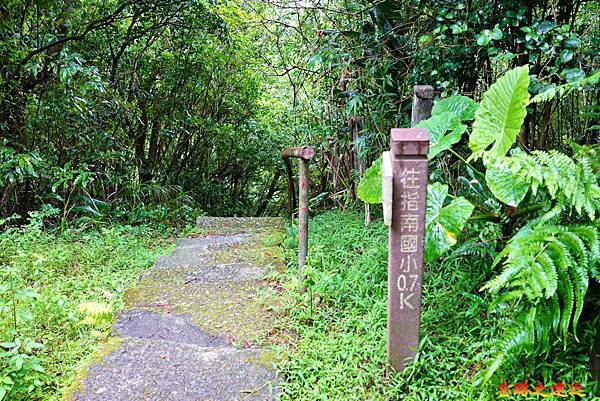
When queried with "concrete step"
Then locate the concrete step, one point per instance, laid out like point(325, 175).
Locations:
point(176, 328)
point(159, 370)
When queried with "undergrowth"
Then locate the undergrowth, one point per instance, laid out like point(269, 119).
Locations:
point(49, 285)
point(337, 349)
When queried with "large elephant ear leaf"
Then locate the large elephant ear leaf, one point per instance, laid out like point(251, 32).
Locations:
point(443, 223)
point(503, 178)
point(369, 188)
point(501, 113)
point(437, 126)
point(461, 106)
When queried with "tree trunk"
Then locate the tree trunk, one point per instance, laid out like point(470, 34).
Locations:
point(271, 191)
point(153, 148)
point(356, 125)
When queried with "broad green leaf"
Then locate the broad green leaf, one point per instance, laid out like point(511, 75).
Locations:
point(463, 107)
point(497, 33)
point(565, 56)
point(369, 188)
point(546, 27)
point(454, 216)
point(436, 195)
point(437, 126)
point(572, 43)
point(500, 115)
point(572, 74)
point(484, 37)
point(507, 187)
point(443, 223)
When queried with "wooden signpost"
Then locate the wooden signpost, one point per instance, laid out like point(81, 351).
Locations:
point(404, 198)
point(422, 103)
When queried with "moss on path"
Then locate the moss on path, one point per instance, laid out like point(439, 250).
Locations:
point(193, 327)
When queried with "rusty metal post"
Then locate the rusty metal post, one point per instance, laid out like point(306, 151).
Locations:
point(303, 185)
point(304, 153)
point(409, 149)
point(422, 103)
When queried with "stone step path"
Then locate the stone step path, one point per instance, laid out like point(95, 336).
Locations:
point(193, 327)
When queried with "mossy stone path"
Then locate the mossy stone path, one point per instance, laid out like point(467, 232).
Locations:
point(192, 329)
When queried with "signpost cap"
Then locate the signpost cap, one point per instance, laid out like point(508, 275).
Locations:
point(409, 142)
point(424, 91)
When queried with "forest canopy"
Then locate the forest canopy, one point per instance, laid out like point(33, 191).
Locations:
point(108, 103)
point(139, 102)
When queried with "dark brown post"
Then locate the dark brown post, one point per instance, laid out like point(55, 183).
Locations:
point(422, 103)
point(304, 153)
point(409, 149)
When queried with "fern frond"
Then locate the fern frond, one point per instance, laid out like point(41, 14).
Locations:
point(510, 271)
point(95, 312)
point(518, 336)
point(506, 297)
point(530, 330)
point(592, 238)
point(566, 291)
point(563, 90)
point(471, 247)
point(549, 266)
point(573, 185)
point(548, 317)
point(538, 281)
point(579, 271)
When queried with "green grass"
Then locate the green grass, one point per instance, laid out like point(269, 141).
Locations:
point(43, 279)
point(337, 351)
point(337, 327)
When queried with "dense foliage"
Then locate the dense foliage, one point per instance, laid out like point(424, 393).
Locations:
point(104, 105)
point(550, 235)
point(352, 66)
point(108, 105)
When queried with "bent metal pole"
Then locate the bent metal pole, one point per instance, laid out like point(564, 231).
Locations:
point(304, 154)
